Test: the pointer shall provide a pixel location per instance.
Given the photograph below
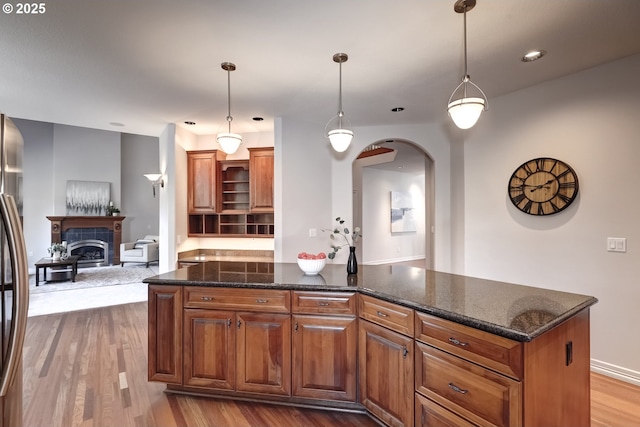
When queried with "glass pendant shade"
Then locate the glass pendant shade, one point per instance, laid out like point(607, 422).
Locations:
point(465, 112)
point(340, 139)
point(229, 142)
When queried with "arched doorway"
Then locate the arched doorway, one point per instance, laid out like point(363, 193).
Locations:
point(400, 172)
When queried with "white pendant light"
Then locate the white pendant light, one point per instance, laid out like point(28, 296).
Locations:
point(465, 110)
point(229, 142)
point(339, 133)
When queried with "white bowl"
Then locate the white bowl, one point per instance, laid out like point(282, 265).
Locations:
point(311, 267)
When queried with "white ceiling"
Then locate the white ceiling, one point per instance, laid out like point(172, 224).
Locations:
point(146, 63)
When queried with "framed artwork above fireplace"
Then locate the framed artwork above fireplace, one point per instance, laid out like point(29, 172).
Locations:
point(88, 198)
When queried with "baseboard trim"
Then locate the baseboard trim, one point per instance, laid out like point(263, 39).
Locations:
point(393, 260)
point(617, 372)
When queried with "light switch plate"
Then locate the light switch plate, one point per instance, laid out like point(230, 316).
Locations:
point(616, 244)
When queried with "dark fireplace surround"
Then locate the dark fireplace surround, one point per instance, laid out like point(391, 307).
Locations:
point(76, 228)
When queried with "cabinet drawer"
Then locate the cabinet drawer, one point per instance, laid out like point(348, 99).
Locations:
point(323, 303)
point(494, 352)
point(263, 300)
point(392, 316)
point(429, 413)
point(477, 394)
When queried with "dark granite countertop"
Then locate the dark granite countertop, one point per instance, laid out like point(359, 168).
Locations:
point(512, 311)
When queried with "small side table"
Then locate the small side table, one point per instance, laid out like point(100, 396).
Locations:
point(71, 261)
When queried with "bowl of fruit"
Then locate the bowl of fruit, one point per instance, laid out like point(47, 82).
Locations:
point(311, 264)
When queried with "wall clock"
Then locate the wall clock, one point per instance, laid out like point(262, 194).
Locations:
point(543, 186)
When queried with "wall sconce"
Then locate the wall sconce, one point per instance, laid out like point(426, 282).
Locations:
point(156, 181)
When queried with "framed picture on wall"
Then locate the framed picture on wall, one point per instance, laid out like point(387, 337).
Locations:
point(402, 219)
point(88, 198)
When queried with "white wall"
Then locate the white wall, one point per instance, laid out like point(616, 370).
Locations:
point(591, 121)
point(382, 246)
point(303, 189)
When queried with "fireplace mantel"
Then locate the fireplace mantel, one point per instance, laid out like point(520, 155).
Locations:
point(59, 224)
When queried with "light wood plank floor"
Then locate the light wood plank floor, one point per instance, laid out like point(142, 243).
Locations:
point(89, 368)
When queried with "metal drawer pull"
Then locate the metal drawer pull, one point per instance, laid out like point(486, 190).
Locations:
point(381, 314)
point(206, 298)
point(262, 301)
point(456, 342)
point(457, 389)
point(323, 303)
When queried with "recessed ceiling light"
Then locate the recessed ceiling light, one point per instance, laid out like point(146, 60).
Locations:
point(189, 122)
point(258, 119)
point(533, 55)
point(116, 124)
point(397, 109)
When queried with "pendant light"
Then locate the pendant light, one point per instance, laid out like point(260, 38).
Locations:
point(465, 110)
point(229, 142)
point(339, 133)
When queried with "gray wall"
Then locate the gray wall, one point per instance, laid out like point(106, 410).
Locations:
point(139, 156)
point(55, 153)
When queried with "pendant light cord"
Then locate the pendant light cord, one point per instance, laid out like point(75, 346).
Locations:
point(229, 118)
point(340, 112)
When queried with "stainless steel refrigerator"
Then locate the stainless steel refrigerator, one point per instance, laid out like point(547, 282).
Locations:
point(14, 279)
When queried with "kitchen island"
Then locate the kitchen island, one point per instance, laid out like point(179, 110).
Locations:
point(409, 346)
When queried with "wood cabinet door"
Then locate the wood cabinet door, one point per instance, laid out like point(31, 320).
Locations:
point(324, 357)
point(201, 175)
point(261, 179)
point(263, 347)
point(386, 374)
point(165, 334)
point(209, 348)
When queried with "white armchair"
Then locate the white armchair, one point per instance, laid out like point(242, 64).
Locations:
point(141, 251)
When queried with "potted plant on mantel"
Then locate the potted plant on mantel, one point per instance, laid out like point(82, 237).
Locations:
point(56, 250)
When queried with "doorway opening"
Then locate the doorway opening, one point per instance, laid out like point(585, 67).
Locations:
point(394, 201)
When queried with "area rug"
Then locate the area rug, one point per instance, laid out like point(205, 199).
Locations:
point(95, 276)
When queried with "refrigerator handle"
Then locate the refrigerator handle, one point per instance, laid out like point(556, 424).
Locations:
point(20, 277)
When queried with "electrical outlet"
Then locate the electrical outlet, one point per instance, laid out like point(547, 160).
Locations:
point(313, 232)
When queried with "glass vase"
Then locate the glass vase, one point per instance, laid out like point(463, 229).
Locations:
point(352, 262)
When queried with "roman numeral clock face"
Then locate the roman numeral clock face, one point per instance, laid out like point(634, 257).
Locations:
point(543, 186)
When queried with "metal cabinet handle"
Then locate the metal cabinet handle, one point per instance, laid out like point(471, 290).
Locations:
point(457, 342)
point(206, 298)
point(381, 314)
point(405, 351)
point(262, 301)
point(228, 323)
point(457, 389)
point(323, 303)
point(238, 323)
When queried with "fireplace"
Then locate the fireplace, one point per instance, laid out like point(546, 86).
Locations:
point(92, 252)
point(107, 229)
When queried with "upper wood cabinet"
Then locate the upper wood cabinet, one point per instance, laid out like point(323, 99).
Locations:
point(233, 185)
point(261, 179)
point(202, 167)
point(230, 198)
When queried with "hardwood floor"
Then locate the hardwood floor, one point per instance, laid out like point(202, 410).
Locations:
point(89, 368)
